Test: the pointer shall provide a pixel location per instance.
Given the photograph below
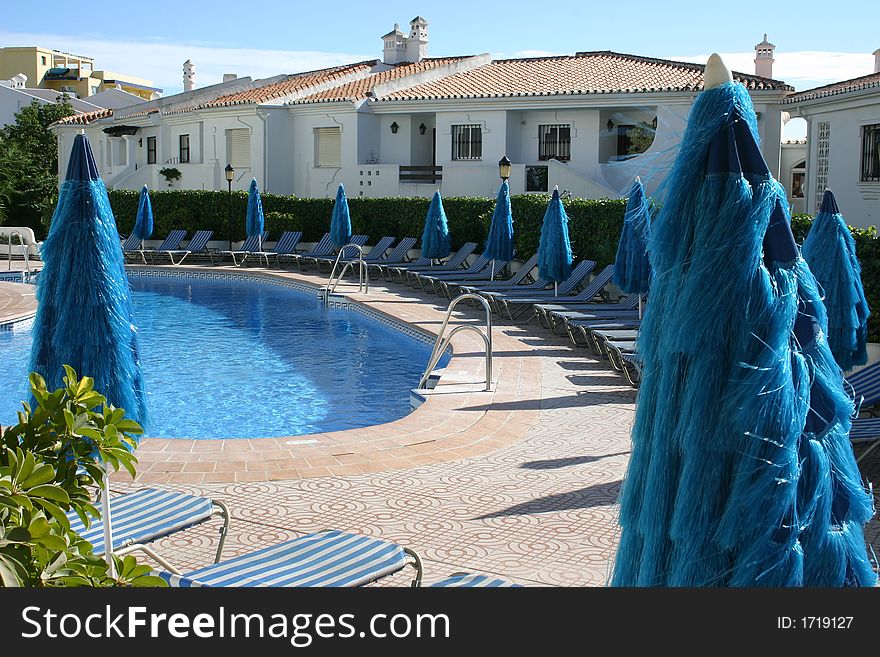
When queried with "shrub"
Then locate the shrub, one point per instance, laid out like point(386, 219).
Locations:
point(47, 463)
point(594, 225)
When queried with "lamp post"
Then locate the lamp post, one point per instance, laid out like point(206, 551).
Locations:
point(230, 174)
point(504, 168)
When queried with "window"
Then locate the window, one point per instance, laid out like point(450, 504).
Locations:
point(239, 148)
point(151, 150)
point(798, 178)
point(328, 147)
point(554, 142)
point(43, 60)
point(94, 89)
point(536, 179)
point(184, 149)
point(467, 142)
point(871, 153)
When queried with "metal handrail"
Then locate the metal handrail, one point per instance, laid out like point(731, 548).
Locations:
point(443, 341)
point(363, 278)
point(24, 251)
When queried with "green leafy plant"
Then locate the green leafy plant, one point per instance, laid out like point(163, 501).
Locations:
point(640, 138)
point(48, 462)
point(170, 174)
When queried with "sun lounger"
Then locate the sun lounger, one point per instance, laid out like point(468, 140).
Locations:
point(323, 247)
point(513, 303)
point(553, 315)
point(149, 514)
point(375, 255)
point(285, 245)
point(865, 386)
point(316, 259)
point(481, 269)
point(515, 282)
point(398, 256)
point(328, 558)
point(172, 241)
point(250, 245)
point(198, 244)
point(473, 580)
point(454, 261)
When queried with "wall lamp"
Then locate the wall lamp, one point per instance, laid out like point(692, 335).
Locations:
point(422, 129)
point(610, 125)
point(394, 128)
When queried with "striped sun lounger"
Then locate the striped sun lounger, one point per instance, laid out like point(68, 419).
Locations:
point(471, 580)
point(329, 558)
point(149, 514)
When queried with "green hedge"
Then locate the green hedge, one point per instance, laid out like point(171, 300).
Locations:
point(594, 225)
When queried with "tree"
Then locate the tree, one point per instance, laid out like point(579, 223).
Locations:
point(29, 164)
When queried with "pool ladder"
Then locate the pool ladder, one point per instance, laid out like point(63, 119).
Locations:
point(24, 253)
point(363, 275)
point(444, 340)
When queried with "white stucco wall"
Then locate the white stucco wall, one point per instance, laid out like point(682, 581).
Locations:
point(859, 202)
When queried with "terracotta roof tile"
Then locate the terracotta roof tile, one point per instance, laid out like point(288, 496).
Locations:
point(360, 89)
point(602, 72)
point(85, 118)
point(856, 84)
point(292, 84)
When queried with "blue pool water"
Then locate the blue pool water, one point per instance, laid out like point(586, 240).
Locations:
point(246, 359)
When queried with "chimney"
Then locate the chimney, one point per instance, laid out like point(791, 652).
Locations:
point(877, 61)
point(189, 75)
point(394, 46)
point(229, 77)
point(764, 58)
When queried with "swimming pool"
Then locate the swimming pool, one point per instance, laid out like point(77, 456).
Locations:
point(246, 358)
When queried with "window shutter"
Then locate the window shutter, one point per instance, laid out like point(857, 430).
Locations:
point(240, 148)
point(328, 147)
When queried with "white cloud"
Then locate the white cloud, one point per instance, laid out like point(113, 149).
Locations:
point(162, 62)
point(802, 70)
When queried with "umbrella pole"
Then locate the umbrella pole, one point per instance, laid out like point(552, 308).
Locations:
point(555, 289)
point(108, 528)
point(640, 306)
point(492, 276)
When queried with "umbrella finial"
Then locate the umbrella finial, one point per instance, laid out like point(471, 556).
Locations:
point(638, 179)
point(716, 72)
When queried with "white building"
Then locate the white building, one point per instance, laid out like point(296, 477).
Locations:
point(843, 137)
point(411, 124)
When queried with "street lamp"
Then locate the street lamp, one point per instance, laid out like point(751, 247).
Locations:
point(230, 174)
point(504, 168)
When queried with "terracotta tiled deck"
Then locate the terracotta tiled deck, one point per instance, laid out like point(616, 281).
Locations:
point(521, 482)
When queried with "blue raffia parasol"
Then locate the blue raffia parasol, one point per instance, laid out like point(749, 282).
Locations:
point(831, 253)
point(632, 271)
point(340, 220)
point(742, 473)
point(84, 314)
point(499, 242)
point(143, 225)
point(554, 248)
point(255, 220)
point(435, 237)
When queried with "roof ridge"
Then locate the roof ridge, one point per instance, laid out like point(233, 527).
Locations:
point(845, 83)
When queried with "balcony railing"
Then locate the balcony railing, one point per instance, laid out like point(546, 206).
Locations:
point(421, 174)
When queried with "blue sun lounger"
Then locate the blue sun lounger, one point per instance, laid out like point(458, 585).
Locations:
point(474, 580)
point(286, 245)
point(514, 302)
point(149, 514)
point(375, 255)
point(250, 245)
point(866, 392)
point(398, 255)
point(171, 241)
point(198, 244)
point(328, 558)
point(454, 261)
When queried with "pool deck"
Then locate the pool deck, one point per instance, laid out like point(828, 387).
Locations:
point(521, 482)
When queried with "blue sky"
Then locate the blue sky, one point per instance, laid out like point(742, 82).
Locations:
point(816, 42)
